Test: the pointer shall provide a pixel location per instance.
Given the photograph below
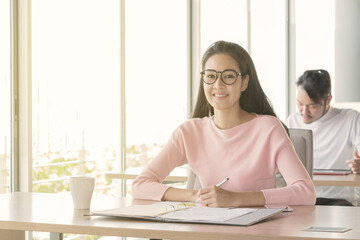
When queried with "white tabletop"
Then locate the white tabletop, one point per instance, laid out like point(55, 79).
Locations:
point(350, 180)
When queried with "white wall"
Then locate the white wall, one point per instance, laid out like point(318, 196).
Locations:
point(347, 50)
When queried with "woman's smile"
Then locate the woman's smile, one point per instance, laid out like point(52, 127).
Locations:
point(220, 95)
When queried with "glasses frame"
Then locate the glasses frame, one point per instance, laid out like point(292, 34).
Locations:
point(221, 76)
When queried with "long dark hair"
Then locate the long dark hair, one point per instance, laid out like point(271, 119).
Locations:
point(252, 100)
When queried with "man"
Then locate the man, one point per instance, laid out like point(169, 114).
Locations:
point(336, 133)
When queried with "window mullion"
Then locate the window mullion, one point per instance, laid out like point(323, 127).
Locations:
point(193, 28)
point(24, 95)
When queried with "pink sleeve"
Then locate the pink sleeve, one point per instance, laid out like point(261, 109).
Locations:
point(148, 184)
point(299, 190)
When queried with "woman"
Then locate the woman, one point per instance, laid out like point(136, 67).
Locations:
point(235, 134)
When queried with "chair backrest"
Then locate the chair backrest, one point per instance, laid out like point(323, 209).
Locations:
point(193, 180)
point(302, 140)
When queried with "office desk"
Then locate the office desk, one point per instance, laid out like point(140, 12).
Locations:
point(337, 180)
point(55, 213)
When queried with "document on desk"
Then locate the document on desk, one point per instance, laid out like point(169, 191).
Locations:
point(191, 213)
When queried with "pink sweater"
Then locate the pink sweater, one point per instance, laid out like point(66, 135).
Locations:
point(248, 154)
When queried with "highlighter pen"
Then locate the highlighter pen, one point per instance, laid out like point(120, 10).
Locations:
point(222, 182)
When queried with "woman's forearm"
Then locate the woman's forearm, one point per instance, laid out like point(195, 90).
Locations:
point(176, 194)
point(247, 199)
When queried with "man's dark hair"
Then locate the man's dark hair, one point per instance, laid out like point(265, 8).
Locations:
point(316, 83)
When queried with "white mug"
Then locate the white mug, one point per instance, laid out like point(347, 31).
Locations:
point(81, 190)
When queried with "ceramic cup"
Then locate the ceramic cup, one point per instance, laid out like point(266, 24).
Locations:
point(81, 191)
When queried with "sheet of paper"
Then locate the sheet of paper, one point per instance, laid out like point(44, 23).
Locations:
point(149, 210)
point(201, 213)
point(136, 210)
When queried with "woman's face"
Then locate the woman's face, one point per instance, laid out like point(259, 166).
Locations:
point(219, 95)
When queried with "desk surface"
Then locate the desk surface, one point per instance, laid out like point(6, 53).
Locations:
point(55, 213)
point(337, 180)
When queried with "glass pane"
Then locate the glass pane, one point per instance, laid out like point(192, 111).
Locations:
point(315, 36)
point(268, 48)
point(156, 76)
point(225, 21)
point(5, 97)
point(75, 77)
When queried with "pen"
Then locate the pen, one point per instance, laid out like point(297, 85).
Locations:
point(222, 182)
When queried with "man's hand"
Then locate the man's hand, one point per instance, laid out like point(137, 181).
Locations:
point(355, 163)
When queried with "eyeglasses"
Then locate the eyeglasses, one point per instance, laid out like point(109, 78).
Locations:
point(227, 76)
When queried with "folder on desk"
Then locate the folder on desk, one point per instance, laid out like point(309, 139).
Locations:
point(192, 213)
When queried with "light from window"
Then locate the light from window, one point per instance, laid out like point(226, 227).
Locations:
point(315, 36)
point(5, 97)
point(156, 76)
point(75, 83)
point(226, 21)
point(268, 48)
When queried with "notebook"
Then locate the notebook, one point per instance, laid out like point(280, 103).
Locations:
point(332, 171)
point(191, 213)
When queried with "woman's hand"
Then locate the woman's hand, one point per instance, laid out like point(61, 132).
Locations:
point(218, 197)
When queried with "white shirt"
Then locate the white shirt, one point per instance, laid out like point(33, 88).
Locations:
point(335, 135)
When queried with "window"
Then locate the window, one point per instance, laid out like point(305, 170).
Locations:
point(77, 87)
point(314, 35)
point(156, 77)
point(226, 21)
point(5, 97)
point(75, 92)
point(268, 50)
point(315, 27)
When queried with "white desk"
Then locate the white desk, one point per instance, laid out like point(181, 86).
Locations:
point(54, 213)
point(337, 180)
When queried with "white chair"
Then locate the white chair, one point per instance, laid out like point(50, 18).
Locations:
point(302, 140)
point(193, 181)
